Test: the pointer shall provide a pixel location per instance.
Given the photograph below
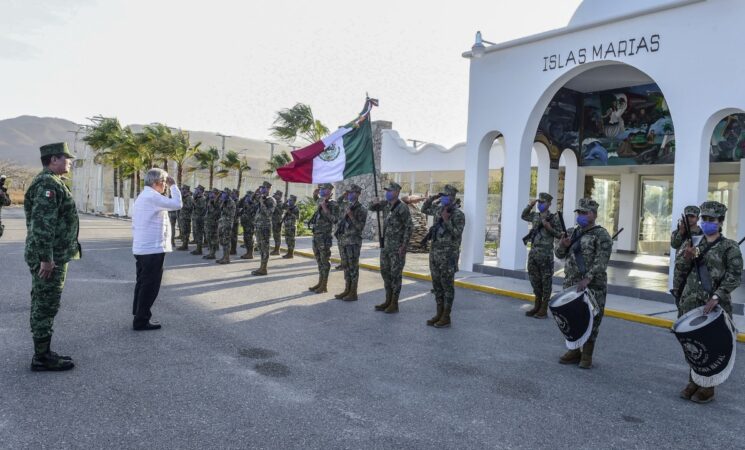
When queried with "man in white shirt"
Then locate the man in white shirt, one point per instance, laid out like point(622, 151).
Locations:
point(151, 240)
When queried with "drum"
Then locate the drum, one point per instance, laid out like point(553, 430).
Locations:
point(708, 342)
point(574, 313)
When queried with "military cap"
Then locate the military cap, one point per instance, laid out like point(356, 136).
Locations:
point(545, 197)
point(58, 148)
point(587, 205)
point(393, 186)
point(266, 184)
point(200, 187)
point(692, 210)
point(216, 190)
point(325, 186)
point(293, 197)
point(278, 192)
point(185, 187)
point(354, 188)
point(449, 190)
point(713, 209)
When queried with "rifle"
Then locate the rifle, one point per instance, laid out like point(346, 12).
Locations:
point(613, 238)
point(561, 221)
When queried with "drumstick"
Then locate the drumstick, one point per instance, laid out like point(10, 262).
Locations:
point(613, 238)
point(741, 241)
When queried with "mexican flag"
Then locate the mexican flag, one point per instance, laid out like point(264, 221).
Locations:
point(345, 153)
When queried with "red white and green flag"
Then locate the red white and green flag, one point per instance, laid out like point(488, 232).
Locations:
point(345, 153)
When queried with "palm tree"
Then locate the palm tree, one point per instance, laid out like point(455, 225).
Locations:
point(274, 163)
point(207, 159)
point(183, 150)
point(296, 123)
point(235, 162)
point(102, 136)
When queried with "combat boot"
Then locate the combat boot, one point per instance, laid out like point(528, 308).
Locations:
point(323, 286)
point(386, 303)
point(689, 390)
point(703, 395)
point(542, 310)
point(45, 360)
point(276, 250)
point(347, 286)
point(249, 253)
point(571, 357)
point(444, 321)
point(198, 250)
point(436, 318)
point(536, 306)
point(352, 294)
point(225, 257)
point(586, 360)
point(393, 306)
point(261, 270)
point(315, 286)
point(290, 253)
point(184, 246)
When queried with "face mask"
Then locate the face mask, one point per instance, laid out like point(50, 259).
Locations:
point(389, 195)
point(223, 196)
point(323, 193)
point(444, 201)
point(262, 190)
point(542, 207)
point(710, 228)
point(583, 221)
point(352, 197)
point(291, 202)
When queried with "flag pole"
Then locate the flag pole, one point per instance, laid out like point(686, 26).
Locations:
point(375, 175)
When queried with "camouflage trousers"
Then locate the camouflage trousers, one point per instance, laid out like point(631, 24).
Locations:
point(173, 218)
point(45, 300)
point(599, 290)
point(391, 269)
point(262, 240)
point(225, 235)
point(541, 272)
point(184, 225)
point(322, 252)
point(289, 233)
point(234, 237)
point(340, 246)
point(197, 225)
point(350, 259)
point(213, 237)
point(2, 228)
point(443, 263)
point(277, 234)
point(248, 234)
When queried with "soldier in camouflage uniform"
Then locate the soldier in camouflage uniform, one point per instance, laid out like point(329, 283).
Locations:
point(184, 217)
point(678, 237)
point(587, 251)
point(289, 224)
point(277, 222)
point(446, 235)
point(4, 201)
point(397, 230)
point(235, 195)
point(173, 218)
point(349, 234)
point(263, 224)
point(342, 203)
point(545, 228)
point(247, 215)
point(197, 218)
point(52, 228)
point(211, 223)
point(322, 224)
point(722, 259)
point(225, 225)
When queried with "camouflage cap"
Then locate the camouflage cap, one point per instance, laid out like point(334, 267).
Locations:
point(58, 148)
point(587, 205)
point(185, 187)
point(393, 186)
point(545, 197)
point(293, 198)
point(325, 186)
point(266, 184)
point(216, 190)
point(449, 190)
point(713, 209)
point(200, 188)
point(354, 188)
point(278, 192)
point(692, 210)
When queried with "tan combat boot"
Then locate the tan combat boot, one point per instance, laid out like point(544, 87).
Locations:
point(276, 250)
point(444, 321)
point(290, 253)
point(689, 390)
point(198, 250)
point(315, 286)
point(352, 294)
point(347, 286)
point(393, 306)
point(323, 286)
point(225, 257)
point(386, 303)
point(436, 318)
point(542, 310)
point(261, 270)
point(703, 395)
point(536, 306)
point(586, 360)
point(571, 357)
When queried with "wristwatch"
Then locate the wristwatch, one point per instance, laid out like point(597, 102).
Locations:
point(715, 297)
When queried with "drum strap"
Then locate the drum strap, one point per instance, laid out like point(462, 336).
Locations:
point(703, 272)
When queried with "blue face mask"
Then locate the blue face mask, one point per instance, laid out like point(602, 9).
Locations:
point(291, 202)
point(263, 190)
point(223, 196)
point(445, 200)
point(390, 195)
point(352, 197)
point(583, 220)
point(323, 193)
point(710, 228)
point(542, 207)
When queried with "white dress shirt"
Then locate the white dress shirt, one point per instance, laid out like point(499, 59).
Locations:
point(151, 229)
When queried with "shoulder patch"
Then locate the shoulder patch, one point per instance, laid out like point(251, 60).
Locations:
point(49, 193)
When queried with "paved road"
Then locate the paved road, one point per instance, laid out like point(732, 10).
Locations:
point(259, 362)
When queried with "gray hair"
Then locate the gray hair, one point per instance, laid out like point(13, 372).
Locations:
point(154, 175)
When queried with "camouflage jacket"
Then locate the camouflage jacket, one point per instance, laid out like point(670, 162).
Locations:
point(51, 221)
point(4, 199)
point(289, 219)
point(349, 230)
point(677, 238)
point(595, 246)
point(212, 216)
point(724, 263)
point(397, 226)
point(263, 217)
point(323, 222)
point(227, 213)
point(200, 207)
point(445, 235)
point(188, 207)
point(277, 214)
point(543, 240)
point(248, 209)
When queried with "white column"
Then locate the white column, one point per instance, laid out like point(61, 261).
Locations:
point(628, 214)
point(474, 202)
point(574, 187)
point(548, 178)
point(515, 191)
point(740, 201)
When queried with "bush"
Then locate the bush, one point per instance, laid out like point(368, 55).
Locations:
point(307, 208)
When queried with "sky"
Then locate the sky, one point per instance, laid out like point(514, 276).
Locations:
point(228, 66)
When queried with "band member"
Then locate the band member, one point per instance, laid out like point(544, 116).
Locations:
point(349, 234)
point(678, 237)
point(322, 224)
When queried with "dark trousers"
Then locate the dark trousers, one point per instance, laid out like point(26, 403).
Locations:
point(149, 275)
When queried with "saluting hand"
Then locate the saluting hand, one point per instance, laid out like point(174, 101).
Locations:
point(46, 269)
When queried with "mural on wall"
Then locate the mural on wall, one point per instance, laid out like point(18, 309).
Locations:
point(728, 139)
point(626, 126)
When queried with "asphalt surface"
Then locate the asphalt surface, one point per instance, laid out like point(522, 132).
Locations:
point(259, 362)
